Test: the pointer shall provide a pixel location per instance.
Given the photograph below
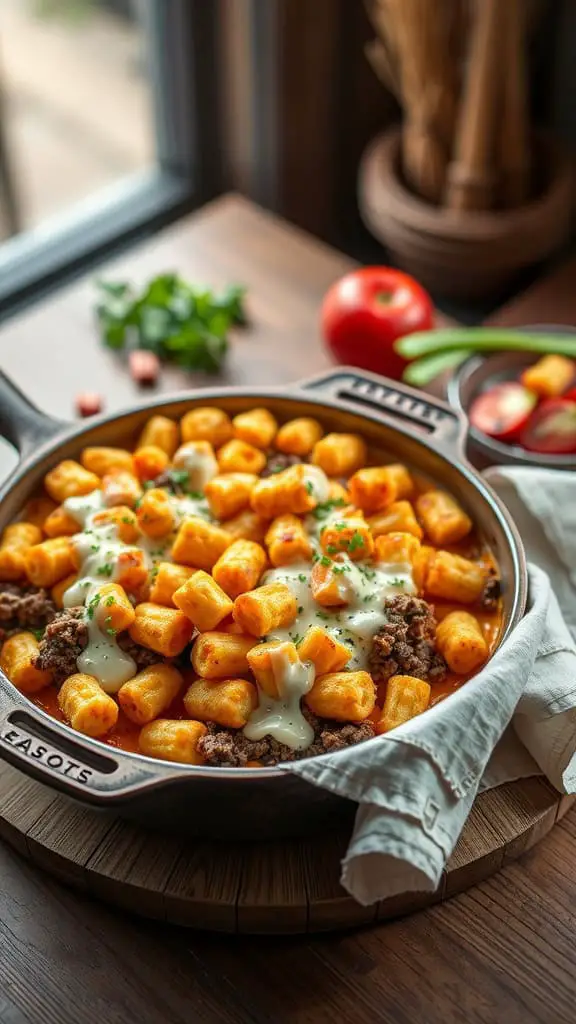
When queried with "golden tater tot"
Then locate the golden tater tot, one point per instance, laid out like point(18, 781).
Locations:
point(298, 437)
point(444, 521)
point(340, 454)
point(461, 642)
point(405, 698)
point(162, 433)
point(207, 424)
point(270, 607)
point(257, 427)
point(229, 702)
point(343, 696)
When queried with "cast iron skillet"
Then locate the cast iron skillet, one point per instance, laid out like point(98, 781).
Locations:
point(233, 802)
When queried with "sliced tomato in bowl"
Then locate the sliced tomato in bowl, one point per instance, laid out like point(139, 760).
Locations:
point(503, 411)
point(551, 430)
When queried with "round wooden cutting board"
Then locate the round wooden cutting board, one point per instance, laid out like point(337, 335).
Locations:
point(289, 886)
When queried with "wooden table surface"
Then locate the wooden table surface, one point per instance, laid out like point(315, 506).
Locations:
point(502, 952)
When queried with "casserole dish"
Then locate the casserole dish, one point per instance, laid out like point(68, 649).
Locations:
point(239, 802)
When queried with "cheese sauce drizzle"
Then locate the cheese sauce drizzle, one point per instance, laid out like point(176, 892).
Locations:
point(282, 718)
point(98, 549)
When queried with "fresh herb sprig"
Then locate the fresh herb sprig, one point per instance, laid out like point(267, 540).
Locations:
point(179, 322)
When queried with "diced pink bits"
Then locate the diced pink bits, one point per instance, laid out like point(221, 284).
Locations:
point(88, 403)
point(144, 366)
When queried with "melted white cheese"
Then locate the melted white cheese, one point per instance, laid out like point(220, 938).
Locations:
point(364, 586)
point(317, 483)
point(282, 718)
point(99, 547)
point(198, 461)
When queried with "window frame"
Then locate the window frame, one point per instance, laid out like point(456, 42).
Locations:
point(183, 48)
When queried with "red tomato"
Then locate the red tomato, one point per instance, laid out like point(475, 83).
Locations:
point(503, 411)
point(551, 429)
point(571, 394)
point(367, 310)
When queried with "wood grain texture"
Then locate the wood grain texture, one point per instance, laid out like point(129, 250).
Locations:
point(273, 888)
point(503, 951)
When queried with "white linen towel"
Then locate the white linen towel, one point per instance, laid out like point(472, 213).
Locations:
point(415, 786)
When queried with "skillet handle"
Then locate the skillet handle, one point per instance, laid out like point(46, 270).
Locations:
point(395, 402)
point(21, 423)
point(42, 747)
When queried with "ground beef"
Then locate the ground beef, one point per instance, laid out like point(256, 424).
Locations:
point(491, 594)
point(63, 642)
point(228, 748)
point(24, 607)
point(143, 656)
point(406, 644)
point(277, 461)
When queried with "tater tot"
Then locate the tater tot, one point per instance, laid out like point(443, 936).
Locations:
point(298, 489)
point(247, 525)
point(340, 454)
point(405, 698)
point(70, 480)
point(328, 585)
point(17, 661)
point(326, 654)
point(164, 630)
point(350, 535)
point(397, 518)
point(402, 478)
point(17, 539)
point(149, 462)
point(268, 663)
point(203, 601)
point(107, 460)
point(454, 578)
point(396, 548)
point(229, 493)
point(86, 706)
point(221, 655)
point(166, 578)
point(123, 519)
point(229, 702)
point(162, 433)
point(59, 589)
point(149, 692)
point(172, 740)
point(37, 510)
point(372, 489)
point(237, 456)
point(50, 561)
point(207, 424)
point(131, 572)
point(461, 642)
point(121, 489)
point(257, 427)
point(270, 607)
point(155, 513)
point(199, 543)
point(61, 523)
point(240, 567)
point(444, 521)
point(287, 541)
point(298, 437)
point(114, 611)
point(343, 696)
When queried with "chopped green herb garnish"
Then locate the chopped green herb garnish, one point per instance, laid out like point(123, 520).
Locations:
point(154, 572)
point(310, 487)
point(110, 600)
point(302, 577)
point(356, 541)
point(325, 561)
point(397, 582)
point(94, 547)
point(178, 476)
point(111, 632)
point(195, 495)
point(339, 569)
point(366, 598)
point(322, 615)
point(105, 570)
point(296, 638)
point(148, 485)
point(127, 520)
point(38, 633)
point(92, 606)
point(325, 507)
point(332, 549)
point(300, 609)
point(340, 526)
